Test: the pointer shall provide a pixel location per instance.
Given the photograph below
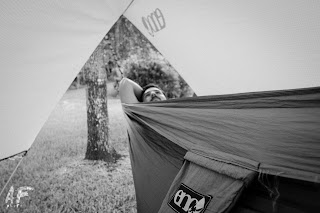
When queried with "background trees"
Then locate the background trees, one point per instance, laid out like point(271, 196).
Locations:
point(140, 61)
point(95, 72)
point(124, 51)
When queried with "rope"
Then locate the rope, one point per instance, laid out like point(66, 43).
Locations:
point(15, 155)
point(11, 176)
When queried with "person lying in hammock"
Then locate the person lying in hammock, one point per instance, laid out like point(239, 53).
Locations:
point(131, 92)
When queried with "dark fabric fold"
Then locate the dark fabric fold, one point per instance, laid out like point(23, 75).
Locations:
point(273, 133)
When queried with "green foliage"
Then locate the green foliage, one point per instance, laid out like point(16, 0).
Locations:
point(140, 61)
point(158, 72)
point(126, 51)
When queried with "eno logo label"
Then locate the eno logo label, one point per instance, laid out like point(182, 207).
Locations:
point(186, 200)
point(154, 22)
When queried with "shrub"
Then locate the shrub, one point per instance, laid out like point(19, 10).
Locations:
point(158, 72)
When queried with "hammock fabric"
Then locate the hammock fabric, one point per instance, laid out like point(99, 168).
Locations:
point(212, 147)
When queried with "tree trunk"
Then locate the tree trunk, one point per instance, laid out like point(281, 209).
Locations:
point(98, 145)
point(78, 81)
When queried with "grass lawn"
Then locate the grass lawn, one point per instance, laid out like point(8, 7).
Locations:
point(55, 168)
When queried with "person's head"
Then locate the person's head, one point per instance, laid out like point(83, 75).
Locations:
point(152, 92)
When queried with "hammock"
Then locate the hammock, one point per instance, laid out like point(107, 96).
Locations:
point(203, 151)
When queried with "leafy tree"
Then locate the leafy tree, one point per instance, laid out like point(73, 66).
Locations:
point(96, 68)
point(127, 50)
point(145, 72)
point(140, 61)
point(123, 51)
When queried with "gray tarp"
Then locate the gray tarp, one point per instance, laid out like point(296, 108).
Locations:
point(275, 133)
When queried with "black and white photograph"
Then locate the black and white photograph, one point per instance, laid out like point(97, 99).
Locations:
point(145, 106)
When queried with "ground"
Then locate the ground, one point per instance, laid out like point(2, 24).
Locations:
point(62, 181)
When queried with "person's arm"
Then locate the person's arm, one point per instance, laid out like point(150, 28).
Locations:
point(129, 91)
